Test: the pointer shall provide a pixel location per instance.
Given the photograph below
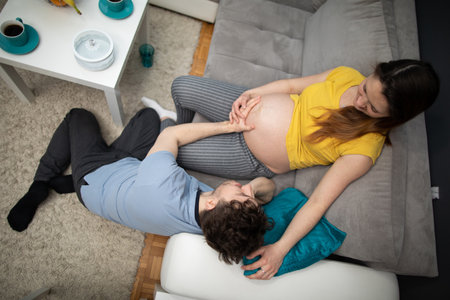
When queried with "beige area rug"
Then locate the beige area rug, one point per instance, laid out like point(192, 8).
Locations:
point(76, 253)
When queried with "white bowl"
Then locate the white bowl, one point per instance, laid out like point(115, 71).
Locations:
point(93, 49)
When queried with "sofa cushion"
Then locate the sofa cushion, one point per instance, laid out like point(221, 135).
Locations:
point(346, 32)
point(365, 211)
point(387, 214)
point(269, 38)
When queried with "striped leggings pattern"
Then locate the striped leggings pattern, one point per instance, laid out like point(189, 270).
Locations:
point(225, 155)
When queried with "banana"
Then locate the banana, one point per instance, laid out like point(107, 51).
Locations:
point(72, 3)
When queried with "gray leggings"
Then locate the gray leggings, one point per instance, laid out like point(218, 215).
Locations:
point(225, 155)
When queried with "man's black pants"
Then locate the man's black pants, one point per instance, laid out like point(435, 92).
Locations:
point(78, 141)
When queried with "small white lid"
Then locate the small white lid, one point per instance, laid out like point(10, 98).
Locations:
point(92, 45)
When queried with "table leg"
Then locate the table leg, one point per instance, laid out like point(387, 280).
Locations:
point(16, 83)
point(115, 105)
point(143, 33)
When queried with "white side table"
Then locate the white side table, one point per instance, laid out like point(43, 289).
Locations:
point(54, 55)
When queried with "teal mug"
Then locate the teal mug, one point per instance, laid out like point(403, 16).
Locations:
point(14, 32)
point(114, 5)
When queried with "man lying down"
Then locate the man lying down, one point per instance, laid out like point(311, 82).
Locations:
point(137, 182)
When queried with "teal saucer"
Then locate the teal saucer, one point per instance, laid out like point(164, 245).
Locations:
point(125, 12)
point(33, 41)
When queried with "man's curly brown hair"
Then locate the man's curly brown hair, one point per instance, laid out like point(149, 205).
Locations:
point(234, 229)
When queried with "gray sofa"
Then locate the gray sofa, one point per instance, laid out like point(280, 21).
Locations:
point(387, 214)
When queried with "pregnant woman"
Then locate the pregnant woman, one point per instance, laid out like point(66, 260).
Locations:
point(337, 117)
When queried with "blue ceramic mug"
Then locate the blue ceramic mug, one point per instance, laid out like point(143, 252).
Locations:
point(114, 5)
point(14, 32)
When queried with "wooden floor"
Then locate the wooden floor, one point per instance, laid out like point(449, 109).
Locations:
point(148, 273)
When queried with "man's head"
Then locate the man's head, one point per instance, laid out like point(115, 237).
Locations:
point(232, 221)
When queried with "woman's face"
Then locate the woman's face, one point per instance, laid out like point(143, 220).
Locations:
point(370, 99)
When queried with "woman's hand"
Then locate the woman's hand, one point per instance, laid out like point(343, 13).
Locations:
point(243, 110)
point(240, 105)
point(240, 125)
point(270, 261)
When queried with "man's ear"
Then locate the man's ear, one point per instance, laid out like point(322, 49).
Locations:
point(211, 203)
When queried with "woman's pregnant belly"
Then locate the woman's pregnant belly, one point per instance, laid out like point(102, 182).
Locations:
point(267, 142)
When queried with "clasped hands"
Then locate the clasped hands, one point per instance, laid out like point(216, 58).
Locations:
point(242, 106)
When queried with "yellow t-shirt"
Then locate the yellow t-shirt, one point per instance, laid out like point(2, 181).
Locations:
point(312, 103)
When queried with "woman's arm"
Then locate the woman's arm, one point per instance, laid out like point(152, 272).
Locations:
point(289, 86)
point(176, 136)
point(284, 86)
point(344, 170)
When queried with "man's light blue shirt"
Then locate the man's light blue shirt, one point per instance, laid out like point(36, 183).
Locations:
point(154, 195)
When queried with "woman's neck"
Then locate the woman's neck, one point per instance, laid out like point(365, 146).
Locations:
point(348, 97)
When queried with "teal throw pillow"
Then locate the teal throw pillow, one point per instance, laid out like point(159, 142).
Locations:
point(318, 244)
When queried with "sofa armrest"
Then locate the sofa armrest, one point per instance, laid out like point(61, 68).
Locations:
point(191, 268)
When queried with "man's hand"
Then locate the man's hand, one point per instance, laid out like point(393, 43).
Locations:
point(263, 189)
point(240, 126)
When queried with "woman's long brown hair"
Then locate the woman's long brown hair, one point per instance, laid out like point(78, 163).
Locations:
point(346, 124)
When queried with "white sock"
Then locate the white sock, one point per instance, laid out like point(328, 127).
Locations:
point(161, 111)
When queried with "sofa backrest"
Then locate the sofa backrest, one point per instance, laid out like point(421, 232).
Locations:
point(353, 33)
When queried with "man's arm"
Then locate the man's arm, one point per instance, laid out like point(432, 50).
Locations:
point(176, 136)
point(263, 189)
